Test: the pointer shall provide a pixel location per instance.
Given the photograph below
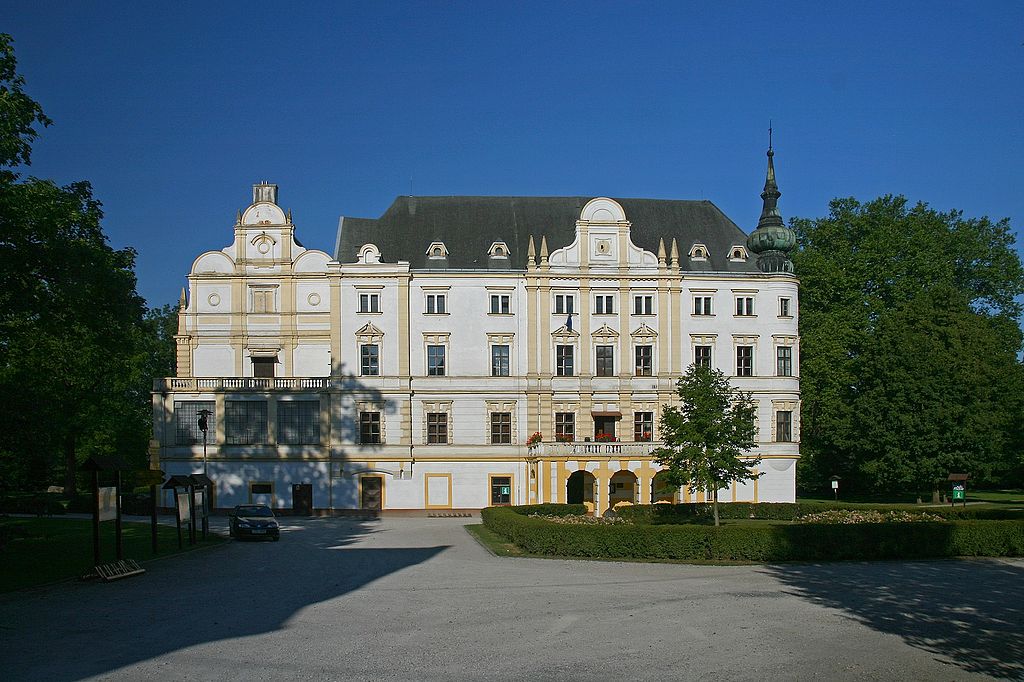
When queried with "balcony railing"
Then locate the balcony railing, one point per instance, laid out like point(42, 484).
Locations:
point(198, 384)
point(582, 448)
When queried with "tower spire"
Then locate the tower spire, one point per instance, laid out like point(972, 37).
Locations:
point(772, 240)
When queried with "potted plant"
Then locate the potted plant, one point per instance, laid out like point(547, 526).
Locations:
point(535, 439)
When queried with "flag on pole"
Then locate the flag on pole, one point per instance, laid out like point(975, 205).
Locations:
point(568, 322)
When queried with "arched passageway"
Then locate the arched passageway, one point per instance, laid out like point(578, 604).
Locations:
point(623, 488)
point(661, 491)
point(580, 488)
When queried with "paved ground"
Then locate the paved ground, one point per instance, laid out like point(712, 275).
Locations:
point(418, 599)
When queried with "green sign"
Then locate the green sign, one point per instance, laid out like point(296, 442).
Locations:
point(505, 490)
point(958, 492)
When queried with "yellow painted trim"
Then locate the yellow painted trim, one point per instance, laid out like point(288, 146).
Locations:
point(383, 490)
point(426, 491)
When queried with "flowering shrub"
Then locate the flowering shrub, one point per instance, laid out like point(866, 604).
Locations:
point(584, 520)
point(534, 439)
point(866, 516)
point(563, 438)
point(605, 438)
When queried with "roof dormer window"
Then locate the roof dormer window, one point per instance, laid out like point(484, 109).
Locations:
point(737, 253)
point(698, 252)
point(498, 250)
point(437, 251)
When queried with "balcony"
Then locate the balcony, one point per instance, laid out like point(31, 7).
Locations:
point(208, 384)
point(589, 448)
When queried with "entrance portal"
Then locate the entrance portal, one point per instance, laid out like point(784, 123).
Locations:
point(661, 491)
point(302, 499)
point(371, 492)
point(580, 489)
point(623, 488)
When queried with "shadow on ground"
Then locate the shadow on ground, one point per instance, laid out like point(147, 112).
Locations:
point(74, 631)
point(969, 613)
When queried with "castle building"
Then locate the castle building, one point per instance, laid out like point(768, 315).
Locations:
point(461, 352)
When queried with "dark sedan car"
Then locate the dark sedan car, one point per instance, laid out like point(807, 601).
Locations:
point(253, 521)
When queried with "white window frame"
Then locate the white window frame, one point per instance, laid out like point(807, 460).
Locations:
point(565, 304)
point(706, 305)
point(643, 304)
point(604, 304)
point(369, 302)
point(436, 303)
point(500, 304)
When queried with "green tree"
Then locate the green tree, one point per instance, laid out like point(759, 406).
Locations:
point(75, 353)
point(708, 435)
point(872, 276)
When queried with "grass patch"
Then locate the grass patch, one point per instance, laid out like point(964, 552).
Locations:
point(492, 541)
point(47, 550)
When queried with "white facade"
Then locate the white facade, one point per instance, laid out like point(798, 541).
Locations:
point(304, 359)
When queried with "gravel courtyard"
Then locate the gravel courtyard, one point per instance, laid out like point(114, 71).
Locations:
point(419, 599)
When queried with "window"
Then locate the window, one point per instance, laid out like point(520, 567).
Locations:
point(263, 366)
point(263, 300)
point(744, 361)
point(369, 428)
point(261, 488)
point(644, 361)
point(369, 360)
point(501, 490)
point(369, 303)
point(604, 304)
point(436, 304)
point(643, 305)
point(186, 423)
point(499, 360)
point(605, 361)
point(784, 361)
point(501, 304)
point(565, 426)
point(784, 308)
point(745, 305)
point(783, 426)
point(435, 361)
point(437, 428)
point(501, 428)
point(298, 422)
point(702, 356)
point(563, 361)
point(563, 304)
point(245, 422)
point(643, 426)
point(702, 305)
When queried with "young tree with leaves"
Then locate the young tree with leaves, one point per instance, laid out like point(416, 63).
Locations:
point(708, 435)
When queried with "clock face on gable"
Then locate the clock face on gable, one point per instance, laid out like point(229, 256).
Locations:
point(603, 247)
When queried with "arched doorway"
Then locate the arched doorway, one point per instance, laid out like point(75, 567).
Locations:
point(579, 489)
point(661, 491)
point(623, 488)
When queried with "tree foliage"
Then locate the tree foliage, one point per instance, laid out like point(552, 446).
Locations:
point(76, 352)
point(909, 345)
point(708, 435)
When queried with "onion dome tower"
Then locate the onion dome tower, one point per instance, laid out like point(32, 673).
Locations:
point(772, 240)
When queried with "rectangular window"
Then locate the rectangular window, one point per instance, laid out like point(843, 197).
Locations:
point(565, 426)
point(501, 490)
point(563, 304)
point(702, 305)
point(186, 423)
point(643, 426)
point(501, 304)
point(744, 361)
point(435, 361)
point(643, 305)
point(702, 356)
point(369, 360)
point(783, 426)
point(369, 428)
point(644, 361)
point(263, 300)
point(604, 304)
point(499, 360)
point(261, 488)
point(501, 428)
point(784, 361)
point(745, 306)
point(784, 307)
point(369, 303)
point(437, 428)
point(563, 361)
point(605, 361)
point(245, 422)
point(298, 422)
point(263, 366)
point(436, 304)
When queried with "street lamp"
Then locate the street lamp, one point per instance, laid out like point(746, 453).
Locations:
point(204, 425)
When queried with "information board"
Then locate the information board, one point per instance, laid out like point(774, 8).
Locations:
point(108, 504)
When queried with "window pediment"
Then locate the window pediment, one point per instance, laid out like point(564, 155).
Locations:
point(605, 333)
point(369, 333)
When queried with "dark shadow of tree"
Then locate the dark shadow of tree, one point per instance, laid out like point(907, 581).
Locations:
point(968, 613)
point(244, 589)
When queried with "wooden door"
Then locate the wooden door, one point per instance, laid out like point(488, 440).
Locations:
point(302, 499)
point(372, 492)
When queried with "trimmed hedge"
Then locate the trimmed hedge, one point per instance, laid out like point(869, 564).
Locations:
point(41, 504)
point(658, 514)
point(782, 542)
point(550, 509)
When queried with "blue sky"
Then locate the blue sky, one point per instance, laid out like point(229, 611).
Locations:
point(173, 110)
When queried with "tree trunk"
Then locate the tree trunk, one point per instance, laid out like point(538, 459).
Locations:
point(715, 504)
point(69, 465)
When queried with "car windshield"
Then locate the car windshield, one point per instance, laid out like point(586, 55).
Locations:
point(253, 511)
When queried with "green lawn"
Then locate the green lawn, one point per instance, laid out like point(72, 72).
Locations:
point(46, 550)
point(990, 496)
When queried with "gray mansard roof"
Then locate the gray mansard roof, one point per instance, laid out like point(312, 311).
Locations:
point(469, 225)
